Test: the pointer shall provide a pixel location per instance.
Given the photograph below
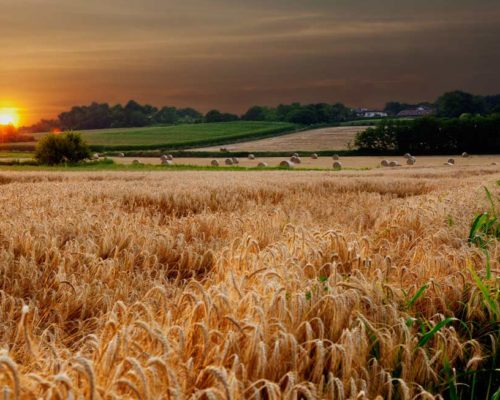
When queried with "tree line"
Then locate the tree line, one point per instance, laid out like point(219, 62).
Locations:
point(133, 114)
point(432, 135)
point(452, 105)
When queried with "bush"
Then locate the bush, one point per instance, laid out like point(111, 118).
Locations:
point(55, 149)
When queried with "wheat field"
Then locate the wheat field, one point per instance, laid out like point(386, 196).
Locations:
point(246, 285)
point(338, 138)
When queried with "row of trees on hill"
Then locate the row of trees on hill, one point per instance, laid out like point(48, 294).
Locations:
point(133, 114)
point(431, 135)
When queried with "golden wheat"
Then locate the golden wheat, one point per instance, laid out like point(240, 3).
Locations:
point(211, 285)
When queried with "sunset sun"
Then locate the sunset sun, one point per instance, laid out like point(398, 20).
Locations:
point(9, 116)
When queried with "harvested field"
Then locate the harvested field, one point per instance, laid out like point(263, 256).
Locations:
point(327, 162)
point(336, 138)
point(270, 285)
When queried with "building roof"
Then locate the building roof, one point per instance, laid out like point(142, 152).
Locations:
point(416, 112)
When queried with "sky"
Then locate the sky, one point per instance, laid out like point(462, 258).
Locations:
point(231, 54)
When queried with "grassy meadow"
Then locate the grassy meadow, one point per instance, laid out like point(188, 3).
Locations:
point(172, 136)
point(204, 285)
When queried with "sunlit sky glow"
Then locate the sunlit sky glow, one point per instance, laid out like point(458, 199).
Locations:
point(231, 54)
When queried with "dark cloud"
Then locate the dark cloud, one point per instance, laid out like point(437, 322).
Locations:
point(234, 53)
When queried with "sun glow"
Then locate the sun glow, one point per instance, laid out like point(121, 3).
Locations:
point(9, 116)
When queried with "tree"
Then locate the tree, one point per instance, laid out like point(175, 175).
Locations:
point(189, 115)
point(454, 104)
point(166, 115)
point(256, 113)
point(55, 149)
point(213, 116)
point(302, 116)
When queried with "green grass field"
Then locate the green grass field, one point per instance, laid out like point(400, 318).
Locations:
point(180, 136)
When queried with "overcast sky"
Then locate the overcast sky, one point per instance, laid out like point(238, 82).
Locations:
point(231, 54)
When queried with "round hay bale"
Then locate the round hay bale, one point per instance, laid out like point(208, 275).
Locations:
point(407, 156)
point(286, 164)
point(163, 157)
point(295, 160)
point(393, 164)
point(251, 157)
point(494, 163)
point(95, 156)
point(411, 161)
point(228, 161)
point(235, 160)
point(314, 156)
point(135, 162)
point(214, 163)
point(223, 149)
point(167, 162)
point(384, 163)
point(121, 154)
point(170, 157)
point(262, 164)
point(451, 161)
point(336, 157)
point(337, 165)
point(465, 154)
point(295, 155)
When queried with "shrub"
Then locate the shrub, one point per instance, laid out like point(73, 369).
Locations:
point(55, 149)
